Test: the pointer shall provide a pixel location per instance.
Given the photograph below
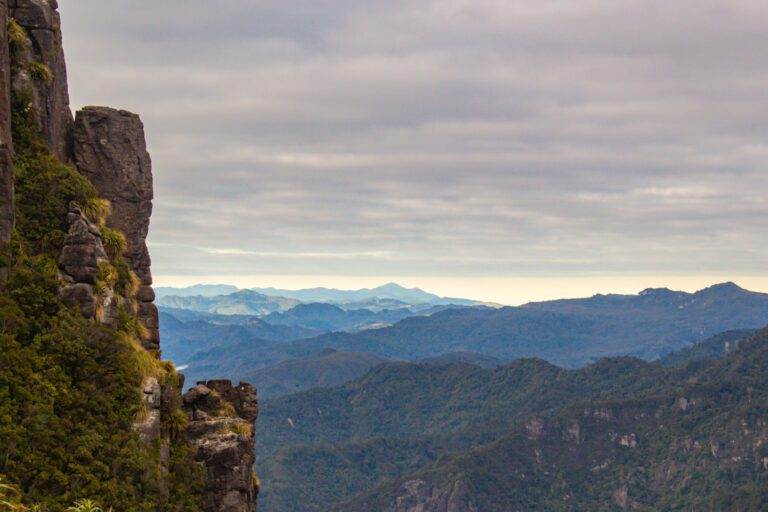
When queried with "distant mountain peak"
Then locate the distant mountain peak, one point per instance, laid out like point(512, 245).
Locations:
point(728, 286)
point(656, 291)
point(396, 287)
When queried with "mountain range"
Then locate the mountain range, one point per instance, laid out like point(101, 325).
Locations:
point(241, 302)
point(389, 291)
point(227, 299)
point(618, 434)
point(568, 333)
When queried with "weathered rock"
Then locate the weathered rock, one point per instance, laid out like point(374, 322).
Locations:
point(6, 145)
point(148, 424)
point(41, 20)
point(110, 149)
point(220, 430)
point(79, 264)
point(82, 249)
point(82, 296)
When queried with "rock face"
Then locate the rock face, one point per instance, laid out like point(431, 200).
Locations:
point(50, 98)
point(110, 149)
point(220, 430)
point(79, 262)
point(6, 146)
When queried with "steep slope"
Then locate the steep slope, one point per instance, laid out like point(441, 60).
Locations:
point(694, 442)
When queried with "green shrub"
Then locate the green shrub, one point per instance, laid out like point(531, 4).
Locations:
point(85, 506)
point(127, 283)
point(40, 73)
point(17, 36)
point(69, 387)
point(114, 243)
point(97, 210)
point(45, 187)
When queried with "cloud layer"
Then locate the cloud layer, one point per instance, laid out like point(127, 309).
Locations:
point(442, 138)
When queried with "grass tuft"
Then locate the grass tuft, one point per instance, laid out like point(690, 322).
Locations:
point(40, 73)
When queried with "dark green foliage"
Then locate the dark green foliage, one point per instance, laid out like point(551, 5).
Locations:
point(401, 416)
point(326, 369)
point(40, 73)
point(462, 423)
point(44, 186)
point(709, 348)
point(706, 453)
point(70, 388)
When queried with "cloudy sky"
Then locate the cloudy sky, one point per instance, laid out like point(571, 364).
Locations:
point(498, 149)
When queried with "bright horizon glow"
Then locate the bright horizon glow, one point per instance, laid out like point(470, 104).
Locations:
point(503, 290)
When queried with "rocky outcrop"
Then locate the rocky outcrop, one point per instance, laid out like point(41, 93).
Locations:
point(221, 432)
point(6, 146)
point(110, 149)
point(49, 94)
point(149, 424)
point(79, 262)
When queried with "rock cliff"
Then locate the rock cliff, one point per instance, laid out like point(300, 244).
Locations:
point(220, 428)
point(110, 150)
point(40, 70)
point(103, 260)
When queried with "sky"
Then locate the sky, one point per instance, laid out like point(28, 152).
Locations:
point(496, 149)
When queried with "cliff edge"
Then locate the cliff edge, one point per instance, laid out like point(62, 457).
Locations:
point(76, 290)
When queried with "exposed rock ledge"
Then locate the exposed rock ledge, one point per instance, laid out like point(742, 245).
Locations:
point(221, 432)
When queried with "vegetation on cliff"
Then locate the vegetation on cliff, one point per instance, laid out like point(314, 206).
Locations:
point(70, 387)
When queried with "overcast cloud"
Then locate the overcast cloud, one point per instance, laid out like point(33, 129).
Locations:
point(442, 138)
